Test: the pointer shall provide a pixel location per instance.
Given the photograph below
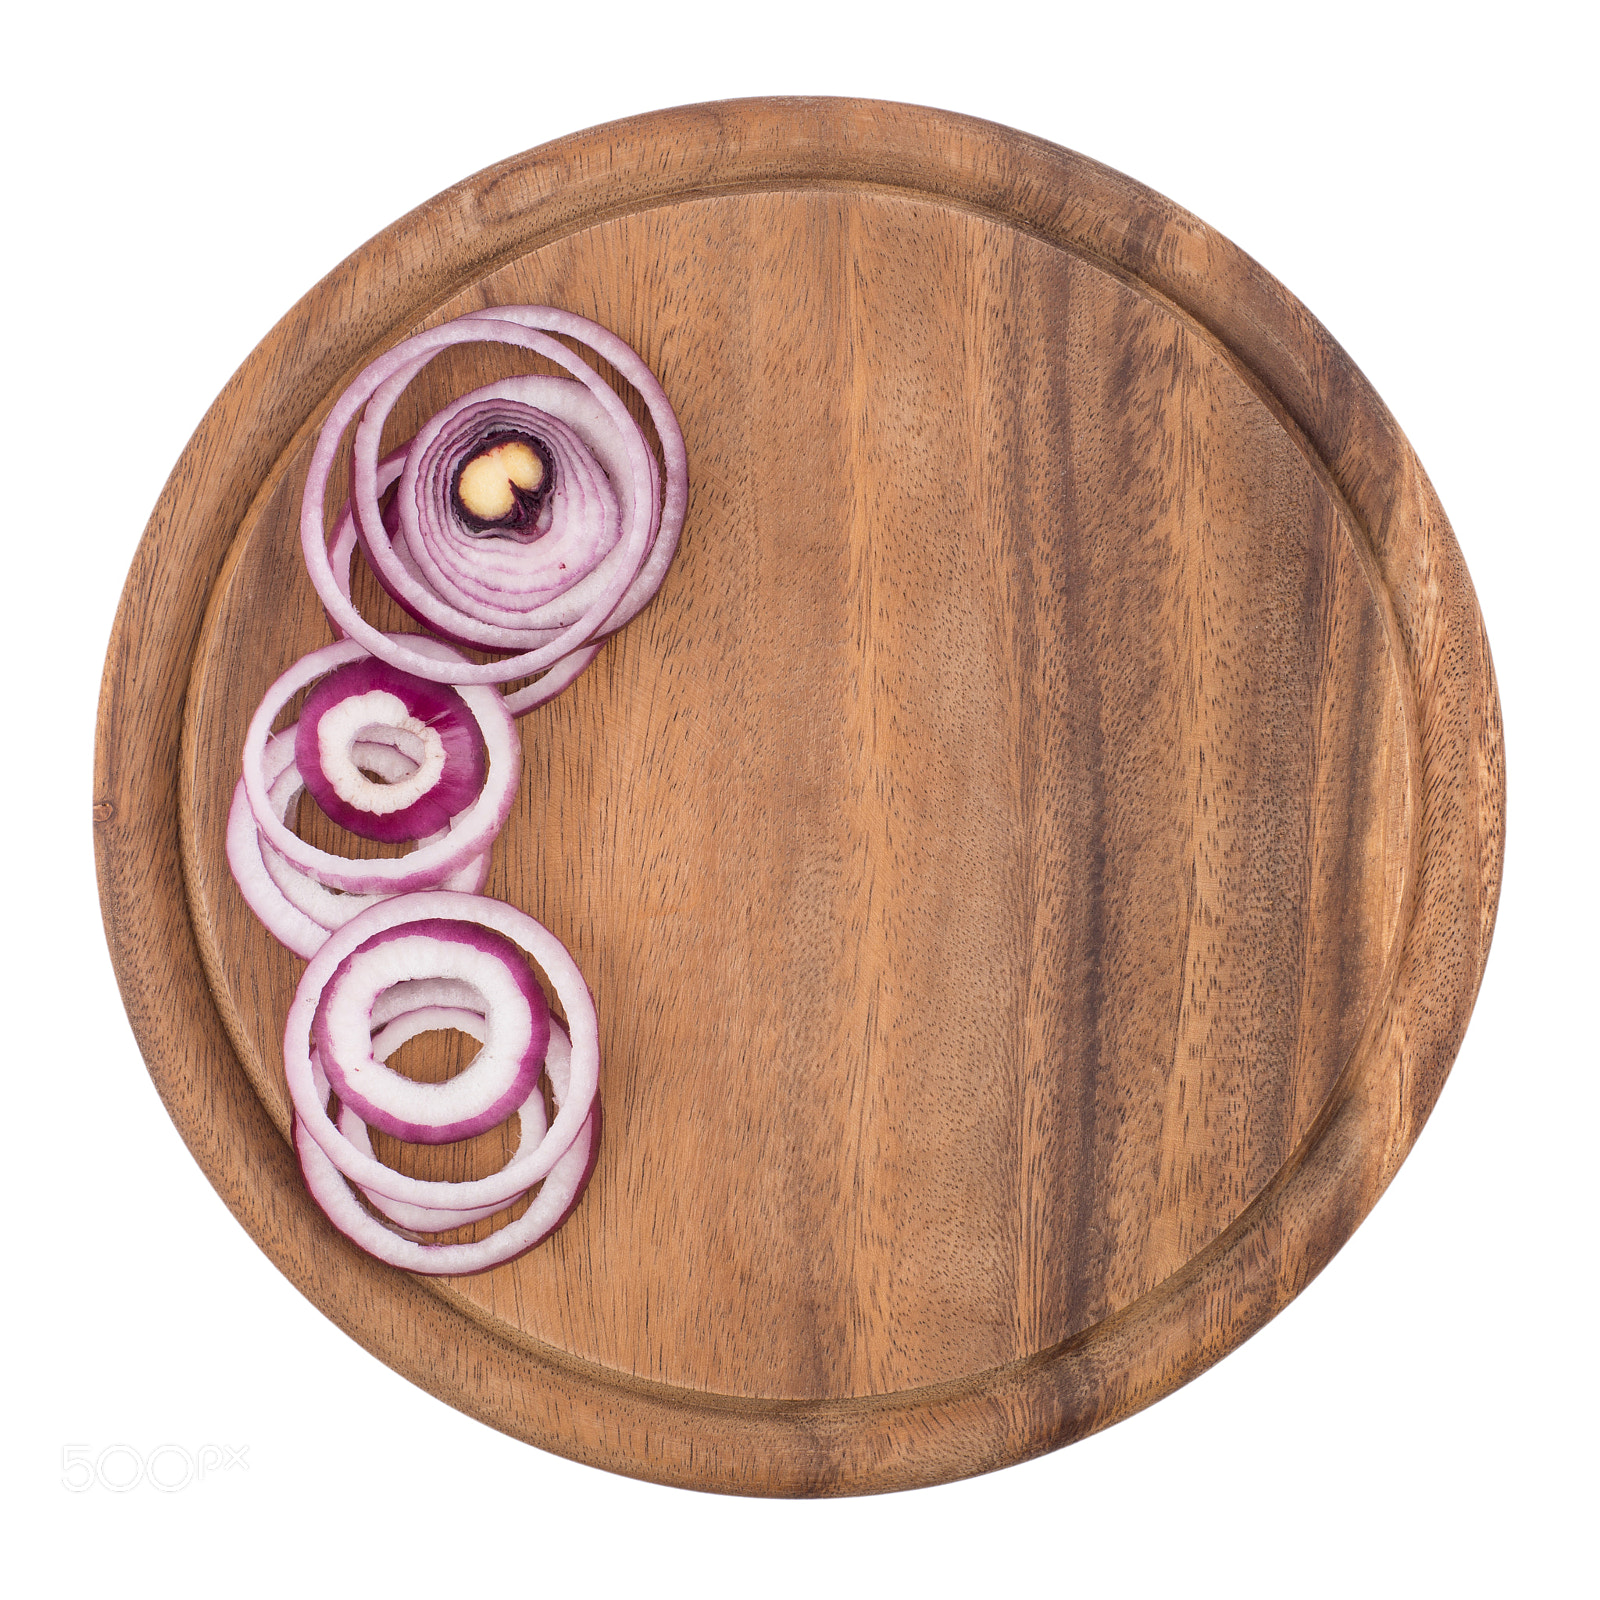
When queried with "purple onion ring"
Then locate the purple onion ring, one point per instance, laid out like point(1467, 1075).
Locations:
point(296, 909)
point(531, 1120)
point(369, 699)
point(561, 1191)
point(473, 831)
point(571, 991)
point(500, 1077)
point(628, 576)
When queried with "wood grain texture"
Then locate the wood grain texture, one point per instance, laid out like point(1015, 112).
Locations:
point(1034, 859)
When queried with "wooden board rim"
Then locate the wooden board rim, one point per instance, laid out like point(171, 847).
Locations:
point(1221, 1296)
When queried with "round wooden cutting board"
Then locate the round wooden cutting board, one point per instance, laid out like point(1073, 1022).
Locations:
point(1034, 859)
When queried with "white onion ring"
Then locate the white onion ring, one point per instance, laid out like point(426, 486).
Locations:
point(573, 993)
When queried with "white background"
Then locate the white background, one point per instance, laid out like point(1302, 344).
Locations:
point(1423, 177)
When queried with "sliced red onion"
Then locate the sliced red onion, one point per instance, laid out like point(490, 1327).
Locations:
point(674, 497)
point(546, 951)
point(531, 1120)
point(518, 701)
point(502, 580)
point(418, 994)
point(284, 921)
point(472, 831)
point(297, 910)
point(395, 563)
point(429, 723)
point(551, 1207)
point(500, 1077)
point(542, 603)
point(330, 908)
point(521, 701)
point(529, 519)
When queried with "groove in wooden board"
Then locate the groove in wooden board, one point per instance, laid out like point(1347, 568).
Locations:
point(1014, 699)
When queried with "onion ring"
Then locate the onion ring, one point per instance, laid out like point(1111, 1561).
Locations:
point(545, 949)
point(297, 910)
point(428, 723)
point(472, 831)
point(601, 600)
point(531, 1119)
point(500, 1077)
point(553, 1204)
point(330, 908)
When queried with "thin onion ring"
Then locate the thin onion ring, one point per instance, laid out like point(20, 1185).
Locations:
point(519, 702)
point(531, 1118)
point(424, 867)
point(562, 1190)
point(649, 548)
point(582, 1028)
point(496, 1082)
point(295, 908)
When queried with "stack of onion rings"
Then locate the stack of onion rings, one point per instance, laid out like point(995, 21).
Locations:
point(380, 980)
point(599, 555)
point(566, 536)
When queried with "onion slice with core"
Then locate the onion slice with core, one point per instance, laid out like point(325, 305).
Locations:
point(599, 596)
point(518, 701)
